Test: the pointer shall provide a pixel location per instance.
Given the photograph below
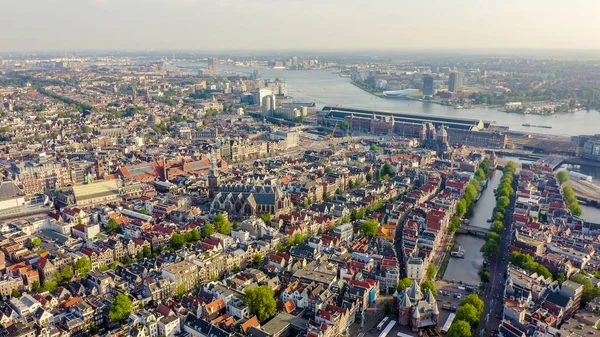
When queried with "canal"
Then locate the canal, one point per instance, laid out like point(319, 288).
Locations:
point(467, 270)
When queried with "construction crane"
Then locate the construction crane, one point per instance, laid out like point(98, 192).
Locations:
point(332, 134)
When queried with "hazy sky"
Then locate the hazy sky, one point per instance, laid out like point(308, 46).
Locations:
point(55, 25)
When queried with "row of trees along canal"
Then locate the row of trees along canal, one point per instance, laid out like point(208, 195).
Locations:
point(568, 194)
point(491, 246)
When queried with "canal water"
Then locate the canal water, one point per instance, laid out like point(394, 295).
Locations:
point(467, 270)
point(327, 88)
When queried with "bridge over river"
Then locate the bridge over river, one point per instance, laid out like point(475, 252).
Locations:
point(474, 231)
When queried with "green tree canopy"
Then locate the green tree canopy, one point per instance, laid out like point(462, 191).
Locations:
point(480, 175)
point(113, 226)
point(266, 217)
point(431, 271)
point(261, 302)
point(83, 266)
point(490, 248)
point(35, 286)
point(35, 242)
point(120, 308)
point(497, 227)
point(590, 291)
point(502, 203)
point(403, 284)
point(176, 240)
point(257, 258)
point(428, 285)
point(50, 285)
point(207, 230)
point(67, 273)
point(475, 301)
point(221, 224)
point(369, 228)
point(459, 328)
point(527, 262)
point(469, 314)
point(562, 177)
point(461, 207)
point(15, 293)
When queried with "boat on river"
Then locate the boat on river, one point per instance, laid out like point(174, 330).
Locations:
point(458, 253)
point(536, 126)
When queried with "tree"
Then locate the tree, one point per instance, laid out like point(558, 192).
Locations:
point(497, 227)
point(454, 224)
point(480, 175)
point(387, 308)
point(261, 302)
point(176, 241)
point(461, 207)
point(428, 285)
point(35, 286)
point(387, 170)
point(121, 308)
point(469, 314)
point(350, 184)
point(83, 266)
point(266, 217)
point(181, 290)
point(431, 271)
point(562, 177)
point(470, 193)
point(475, 301)
point(369, 228)
point(357, 213)
point(57, 277)
point(207, 230)
point(369, 176)
point(146, 251)
point(403, 284)
point(113, 226)
point(485, 276)
point(490, 248)
point(15, 293)
point(50, 285)
point(498, 216)
point(502, 203)
point(459, 328)
point(590, 291)
point(35, 242)
point(67, 273)
point(221, 224)
point(257, 259)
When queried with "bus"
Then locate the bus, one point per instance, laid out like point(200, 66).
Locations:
point(387, 329)
point(382, 323)
point(448, 323)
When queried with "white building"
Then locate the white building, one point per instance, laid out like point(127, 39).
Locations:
point(414, 268)
point(344, 232)
point(169, 326)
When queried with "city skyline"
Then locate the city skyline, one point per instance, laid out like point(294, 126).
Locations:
point(275, 25)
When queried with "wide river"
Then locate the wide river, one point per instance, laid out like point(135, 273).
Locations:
point(328, 88)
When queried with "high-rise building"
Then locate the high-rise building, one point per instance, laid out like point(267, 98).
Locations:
point(213, 65)
point(455, 81)
point(269, 105)
point(427, 86)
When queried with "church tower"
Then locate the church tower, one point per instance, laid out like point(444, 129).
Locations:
point(214, 180)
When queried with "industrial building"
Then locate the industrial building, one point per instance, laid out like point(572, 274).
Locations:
point(463, 131)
